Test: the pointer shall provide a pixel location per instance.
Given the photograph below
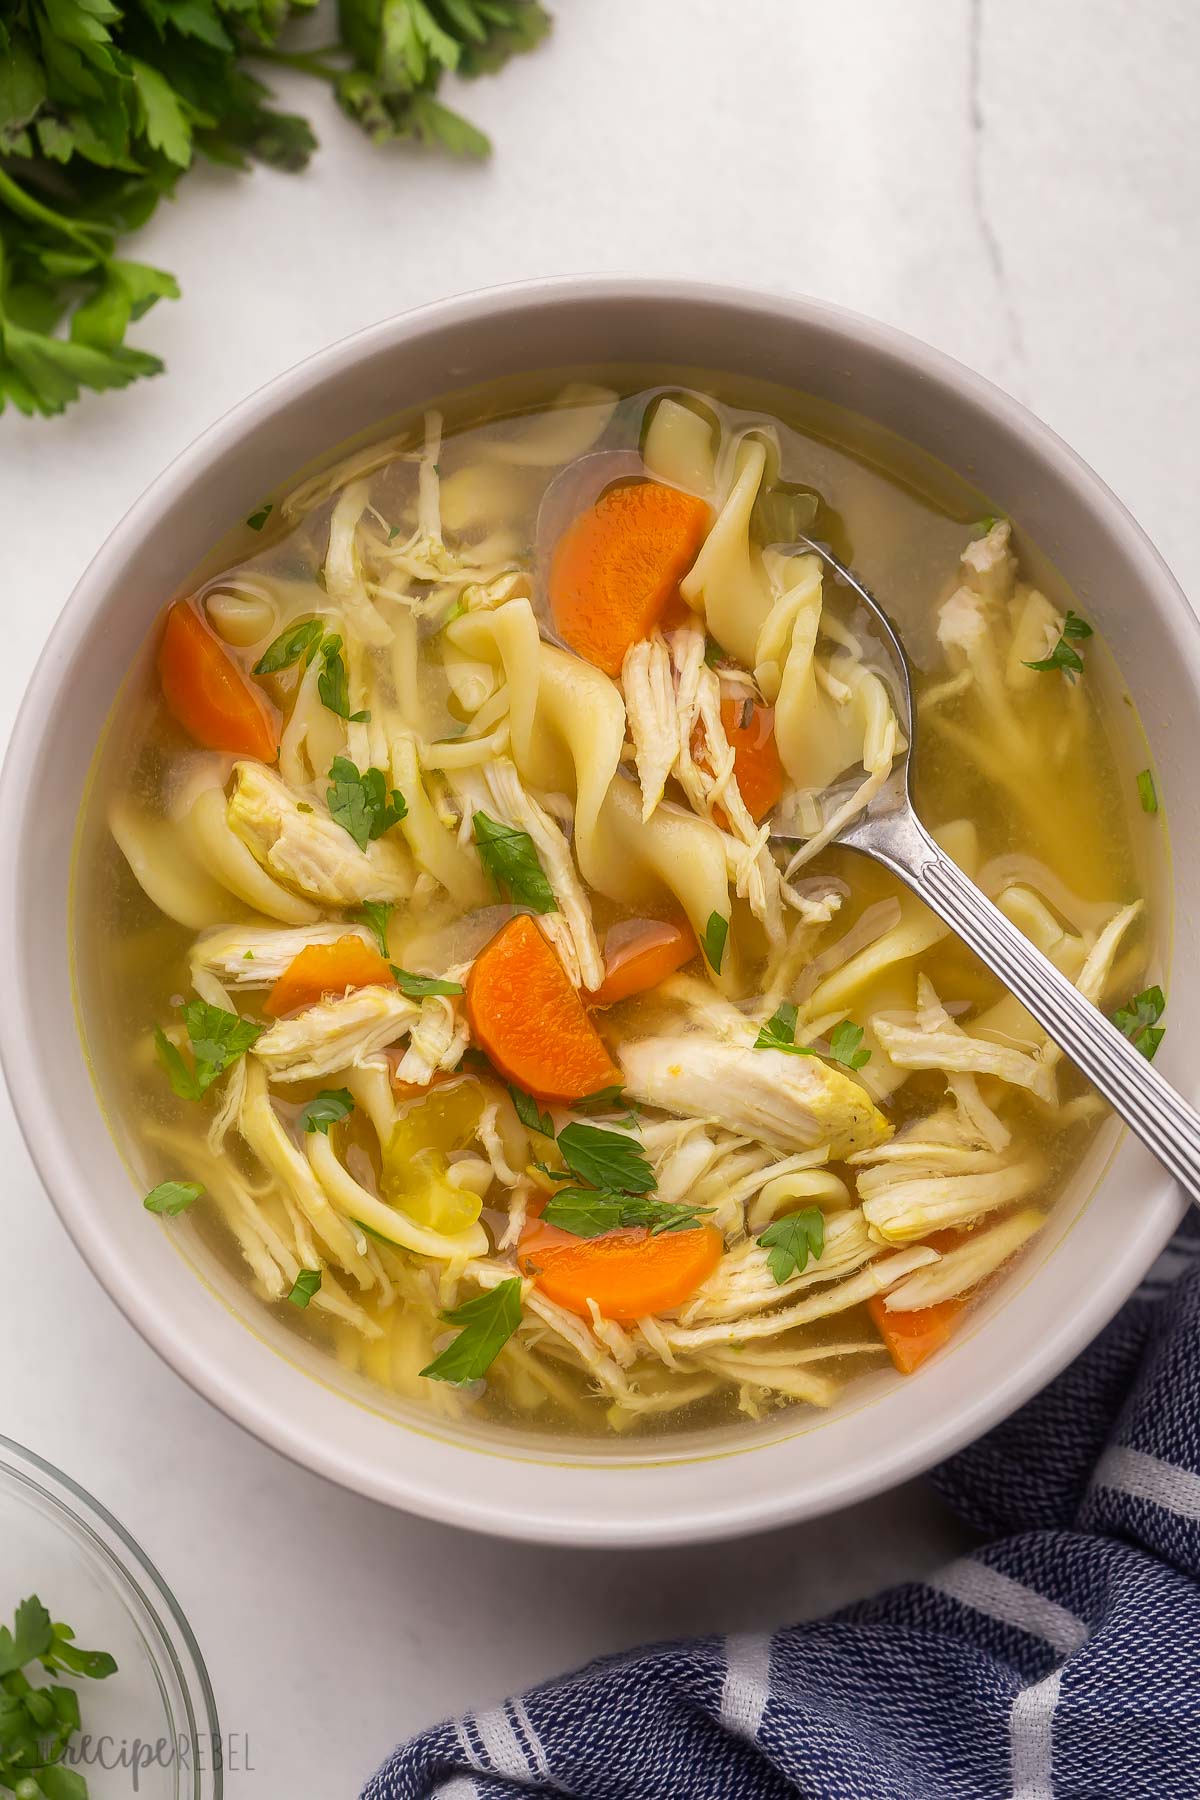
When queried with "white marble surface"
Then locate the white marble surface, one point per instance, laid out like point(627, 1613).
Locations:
point(1018, 184)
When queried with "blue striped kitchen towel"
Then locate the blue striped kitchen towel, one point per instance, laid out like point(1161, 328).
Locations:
point(1059, 1662)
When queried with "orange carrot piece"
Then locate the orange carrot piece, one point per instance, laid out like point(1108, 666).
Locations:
point(208, 693)
point(755, 756)
point(912, 1336)
point(616, 569)
point(628, 1273)
point(322, 969)
point(638, 954)
point(530, 1022)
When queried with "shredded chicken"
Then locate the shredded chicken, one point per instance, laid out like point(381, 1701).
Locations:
point(294, 838)
point(437, 1039)
point(334, 1034)
point(789, 1102)
point(935, 1174)
point(255, 956)
point(930, 1039)
point(569, 929)
point(963, 1268)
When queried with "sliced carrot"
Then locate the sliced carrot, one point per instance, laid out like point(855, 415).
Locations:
point(750, 729)
point(912, 1336)
point(530, 1022)
point(628, 1273)
point(638, 954)
point(208, 693)
point(616, 569)
point(322, 969)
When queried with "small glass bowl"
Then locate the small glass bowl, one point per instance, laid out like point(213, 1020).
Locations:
point(157, 1714)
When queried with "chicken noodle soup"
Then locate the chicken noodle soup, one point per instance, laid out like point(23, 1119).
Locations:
point(437, 960)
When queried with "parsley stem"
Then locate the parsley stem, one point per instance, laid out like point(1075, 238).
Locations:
point(306, 62)
point(94, 238)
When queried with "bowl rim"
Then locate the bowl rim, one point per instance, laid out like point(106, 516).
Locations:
point(399, 1485)
point(175, 1644)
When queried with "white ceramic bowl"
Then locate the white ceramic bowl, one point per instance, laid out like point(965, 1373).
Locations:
point(1102, 1236)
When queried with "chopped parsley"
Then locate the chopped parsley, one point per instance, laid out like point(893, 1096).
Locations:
point(586, 1213)
point(844, 1042)
point(302, 640)
point(217, 1038)
point(716, 934)
point(713, 653)
point(333, 685)
point(329, 1107)
point(1147, 792)
point(170, 1198)
point(609, 1160)
point(610, 1100)
point(779, 1032)
point(38, 1723)
point(790, 1241)
point(376, 916)
point(1064, 656)
point(418, 986)
point(258, 519)
point(528, 1112)
point(510, 861)
point(487, 1323)
point(306, 1284)
point(359, 800)
point(1139, 1021)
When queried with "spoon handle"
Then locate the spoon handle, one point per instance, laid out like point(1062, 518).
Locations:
point(1164, 1121)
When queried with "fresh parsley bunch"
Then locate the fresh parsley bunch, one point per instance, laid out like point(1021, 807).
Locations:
point(103, 107)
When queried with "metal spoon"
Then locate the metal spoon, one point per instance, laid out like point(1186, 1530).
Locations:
point(889, 831)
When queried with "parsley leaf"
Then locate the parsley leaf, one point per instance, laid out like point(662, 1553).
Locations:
point(258, 519)
point(172, 1197)
point(610, 1100)
point(31, 1638)
point(587, 1213)
point(328, 1107)
point(779, 1032)
point(510, 862)
point(716, 932)
point(528, 1113)
point(1063, 656)
point(217, 1038)
point(609, 1160)
point(1147, 792)
point(302, 640)
point(359, 801)
point(418, 986)
point(790, 1241)
point(333, 685)
point(844, 1041)
point(306, 1284)
point(487, 1323)
point(1139, 1021)
point(375, 915)
point(713, 653)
